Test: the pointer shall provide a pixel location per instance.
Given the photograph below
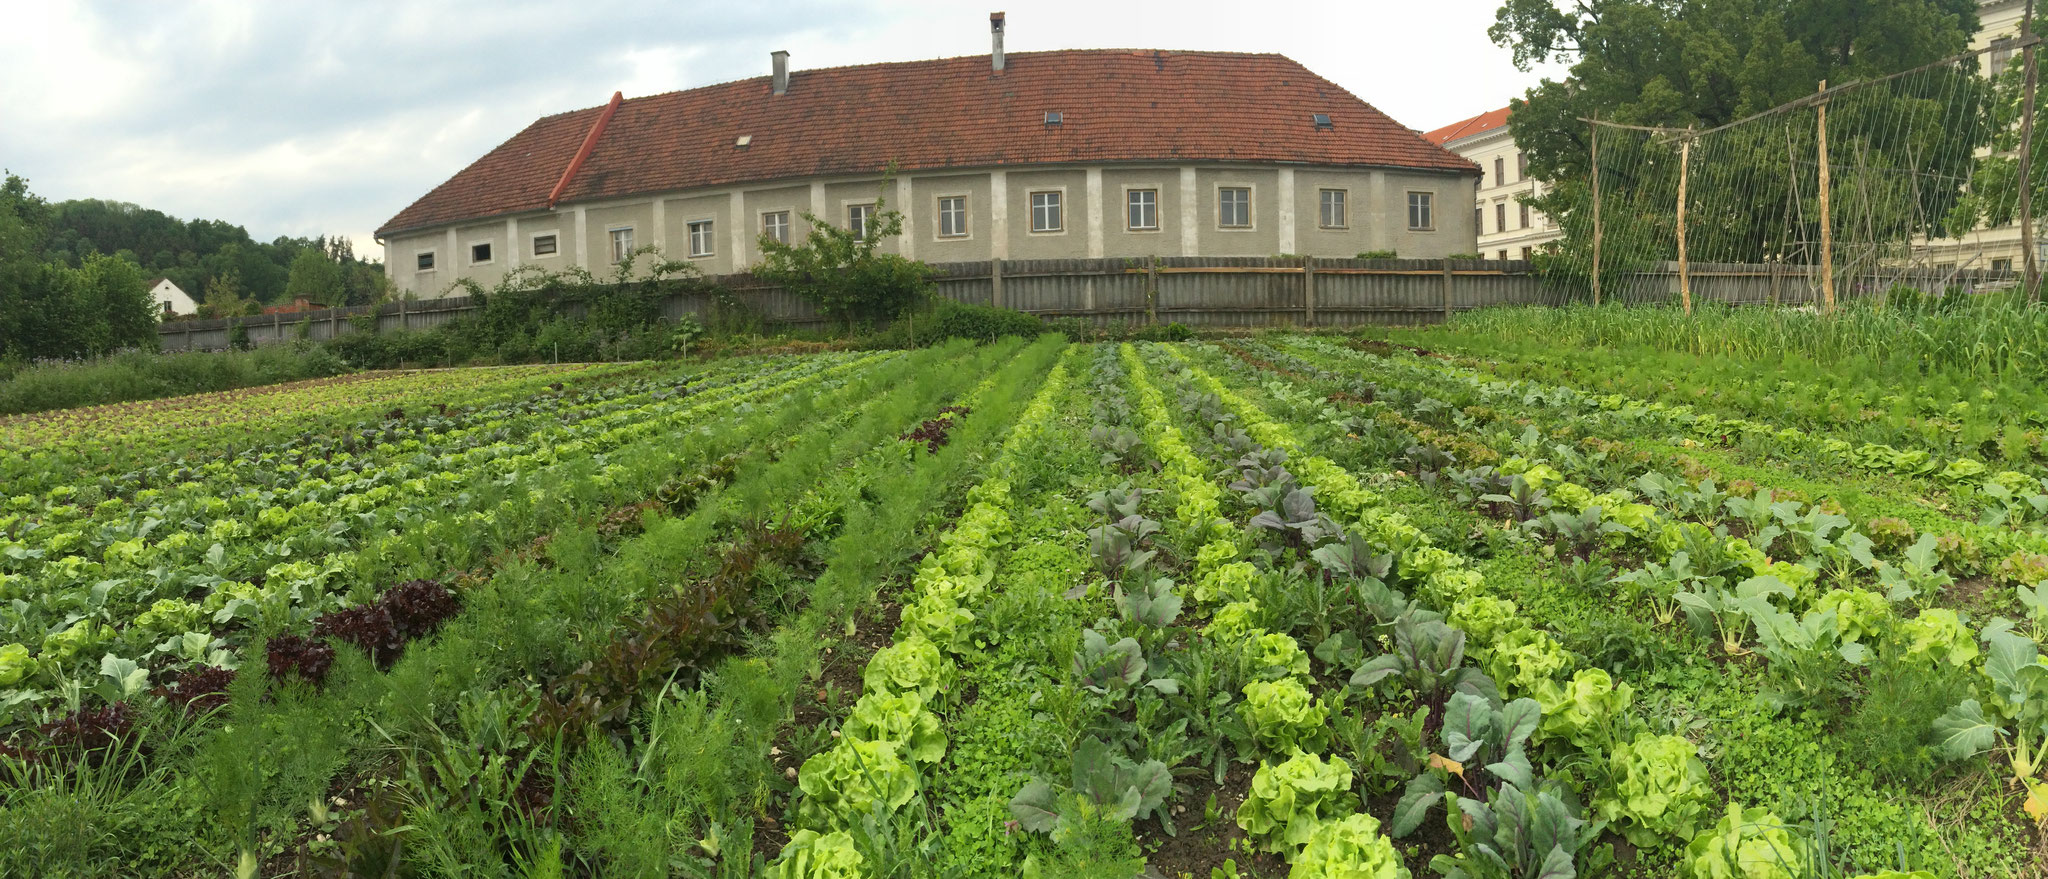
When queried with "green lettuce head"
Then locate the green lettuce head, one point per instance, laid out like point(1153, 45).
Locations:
point(1483, 617)
point(915, 665)
point(15, 664)
point(1289, 800)
point(1352, 848)
point(1276, 653)
point(812, 855)
point(1283, 716)
point(1235, 621)
point(1525, 659)
point(1746, 844)
point(1938, 635)
point(852, 780)
point(1659, 789)
point(1584, 708)
point(1860, 614)
point(899, 718)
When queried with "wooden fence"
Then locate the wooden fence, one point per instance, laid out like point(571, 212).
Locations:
point(1196, 291)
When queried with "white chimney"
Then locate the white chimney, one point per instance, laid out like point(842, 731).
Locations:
point(995, 31)
point(781, 70)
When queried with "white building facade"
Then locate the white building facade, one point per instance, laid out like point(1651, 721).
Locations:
point(170, 300)
point(1508, 227)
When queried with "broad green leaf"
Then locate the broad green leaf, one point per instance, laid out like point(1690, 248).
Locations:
point(1964, 732)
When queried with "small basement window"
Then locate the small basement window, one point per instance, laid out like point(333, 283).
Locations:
point(480, 253)
point(1052, 117)
point(1322, 120)
point(425, 261)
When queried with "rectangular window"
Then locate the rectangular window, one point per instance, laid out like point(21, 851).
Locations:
point(701, 238)
point(1479, 220)
point(2001, 265)
point(1420, 216)
point(953, 216)
point(775, 226)
point(622, 244)
point(1500, 172)
point(425, 261)
point(1521, 166)
point(857, 218)
point(1144, 209)
point(1524, 207)
point(2001, 55)
point(1333, 209)
point(1527, 252)
point(1500, 217)
point(1045, 212)
point(480, 253)
point(544, 245)
point(1234, 207)
point(1503, 255)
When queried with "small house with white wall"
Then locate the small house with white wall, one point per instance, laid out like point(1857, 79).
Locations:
point(170, 300)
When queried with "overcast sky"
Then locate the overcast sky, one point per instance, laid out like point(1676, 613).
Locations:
point(307, 119)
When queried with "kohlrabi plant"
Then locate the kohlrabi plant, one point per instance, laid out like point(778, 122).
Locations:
point(2016, 720)
point(1808, 658)
point(1289, 800)
point(1483, 742)
point(1919, 578)
point(1105, 784)
point(1656, 789)
point(1516, 833)
point(1727, 611)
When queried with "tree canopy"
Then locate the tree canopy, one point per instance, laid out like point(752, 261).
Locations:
point(1704, 63)
point(53, 310)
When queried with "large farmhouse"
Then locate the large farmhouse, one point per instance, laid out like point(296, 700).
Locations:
point(1105, 153)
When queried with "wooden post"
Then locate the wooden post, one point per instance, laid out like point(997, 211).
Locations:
point(1684, 272)
point(1152, 289)
point(1596, 208)
point(1777, 265)
point(995, 283)
point(1827, 233)
point(2033, 268)
point(403, 323)
point(1308, 290)
point(1448, 280)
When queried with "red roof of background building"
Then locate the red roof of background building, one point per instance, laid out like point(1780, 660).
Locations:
point(1479, 124)
point(1117, 106)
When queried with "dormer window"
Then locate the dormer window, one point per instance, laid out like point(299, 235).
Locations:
point(1322, 120)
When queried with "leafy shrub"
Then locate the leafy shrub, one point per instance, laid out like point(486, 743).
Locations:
point(1288, 801)
point(1745, 844)
point(1657, 787)
point(1283, 717)
point(960, 320)
point(852, 780)
point(1350, 848)
point(811, 855)
point(1376, 254)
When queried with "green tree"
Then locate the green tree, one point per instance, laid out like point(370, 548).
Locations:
point(842, 272)
point(315, 276)
point(1705, 63)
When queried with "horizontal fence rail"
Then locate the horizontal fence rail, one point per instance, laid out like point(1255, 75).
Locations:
point(1196, 291)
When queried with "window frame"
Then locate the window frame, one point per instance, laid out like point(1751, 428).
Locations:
point(1522, 207)
point(710, 229)
point(1131, 192)
point(1343, 203)
point(1521, 166)
point(1059, 206)
point(433, 260)
point(966, 228)
point(1428, 207)
point(490, 252)
point(1250, 199)
point(788, 225)
point(533, 244)
point(867, 215)
point(1500, 171)
point(612, 234)
point(1500, 216)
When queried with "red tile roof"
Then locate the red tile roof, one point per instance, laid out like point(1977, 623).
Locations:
point(1118, 106)
point(1479, 124)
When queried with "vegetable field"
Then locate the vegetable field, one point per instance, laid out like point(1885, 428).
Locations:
point(1284, 605)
